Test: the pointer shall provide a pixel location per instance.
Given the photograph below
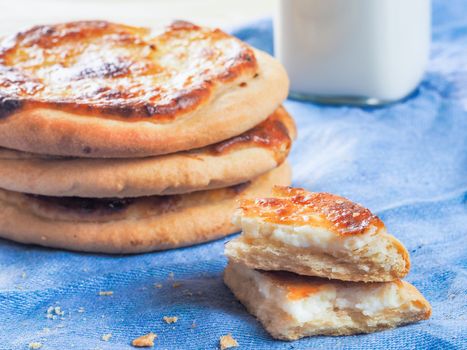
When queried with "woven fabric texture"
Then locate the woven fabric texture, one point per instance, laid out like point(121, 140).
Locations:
point(407, 162)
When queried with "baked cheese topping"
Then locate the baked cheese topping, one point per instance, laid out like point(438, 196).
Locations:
point(110, 69)
point(315, 239)
point(316, 221)
point(322, 211)
point(313, 299)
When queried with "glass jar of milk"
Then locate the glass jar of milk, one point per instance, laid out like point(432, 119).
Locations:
point(366, 52)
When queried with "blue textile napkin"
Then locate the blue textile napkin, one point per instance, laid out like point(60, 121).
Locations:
point(407, 162)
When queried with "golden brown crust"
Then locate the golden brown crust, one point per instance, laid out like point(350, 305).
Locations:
point(138, 226)
point(295, 206)
point(402, 251)
point(418, 299)
point(117, 71)
point(231, 111)
point(275, 133)
point(221, 88)
point(224, 164)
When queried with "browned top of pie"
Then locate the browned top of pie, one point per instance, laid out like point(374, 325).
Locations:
point(119, 71)
point(295, 206)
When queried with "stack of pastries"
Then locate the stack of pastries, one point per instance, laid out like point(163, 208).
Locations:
point(316, 263)
point(120, 139)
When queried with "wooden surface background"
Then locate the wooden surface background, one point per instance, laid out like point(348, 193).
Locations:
point(18, 14)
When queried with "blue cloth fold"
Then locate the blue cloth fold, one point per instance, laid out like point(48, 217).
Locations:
point(407, 162)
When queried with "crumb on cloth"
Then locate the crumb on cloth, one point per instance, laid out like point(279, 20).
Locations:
point(106, 337)
point(106, 293)
point(227, 342)
point(53, 312)
point(144, 341)
point(35, 345)
point(170, 319)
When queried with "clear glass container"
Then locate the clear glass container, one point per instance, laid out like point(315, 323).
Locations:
point(365, 52)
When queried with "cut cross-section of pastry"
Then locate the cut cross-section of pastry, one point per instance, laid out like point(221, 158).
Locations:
point(291, 306)
point(327, 236)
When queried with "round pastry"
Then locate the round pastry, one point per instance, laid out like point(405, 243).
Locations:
point(98, 89)
point(131, 225)
point(227, 163)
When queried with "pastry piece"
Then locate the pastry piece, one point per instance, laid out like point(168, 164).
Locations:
point(291, 306)
point(129, 225)
point(227, 163)
point(327, 236)
point(99, 89)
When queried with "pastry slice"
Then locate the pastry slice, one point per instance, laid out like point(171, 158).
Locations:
point(316, 234)
point(291, 306)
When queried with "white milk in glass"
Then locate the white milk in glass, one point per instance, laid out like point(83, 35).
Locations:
point(353, 51)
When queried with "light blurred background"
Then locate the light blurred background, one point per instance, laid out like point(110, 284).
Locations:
point(17, 14)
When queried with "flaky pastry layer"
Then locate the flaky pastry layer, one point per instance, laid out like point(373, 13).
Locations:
point(316, 234)
point(291, 306)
